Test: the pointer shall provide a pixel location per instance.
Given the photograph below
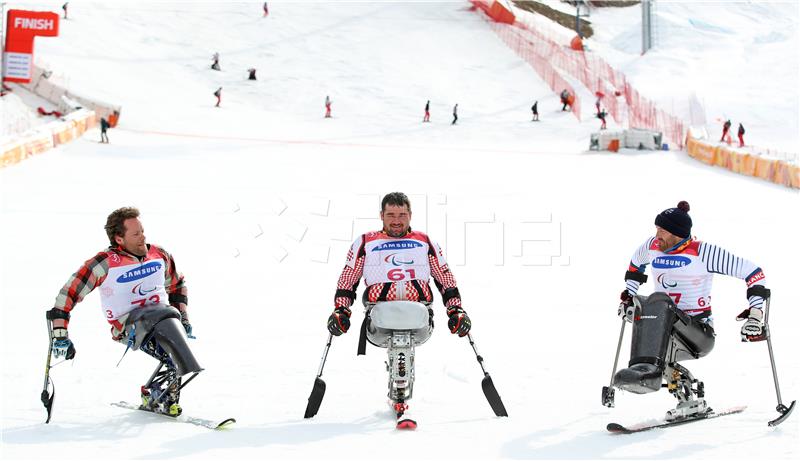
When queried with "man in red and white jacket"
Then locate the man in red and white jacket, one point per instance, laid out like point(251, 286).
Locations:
point(396, 264)
point(130, 274)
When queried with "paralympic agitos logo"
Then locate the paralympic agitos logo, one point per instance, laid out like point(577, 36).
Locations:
point(665, 282)
point(137, 289)
point(140, 272)
point(396, 260)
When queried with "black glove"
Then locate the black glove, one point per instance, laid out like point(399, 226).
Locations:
point(339, 321)
point(459, 322)
point(626, 308)
point(753, 328)
point(62, 345)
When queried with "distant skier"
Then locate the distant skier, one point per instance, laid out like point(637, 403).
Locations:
point(597, 102)
point(674, 323)
point(602, 116)
point(252, 73)
point(455, 114)
point(565, 99)
point(143, 298)
point(328, 103)
point(725, 128)
point(427, 117)
point(218, 94)
point(397, 263)
point(104, 125)
point(740, 133)
point(266, 10)
point(535, 111)
point(215, 61)
point(64, 7)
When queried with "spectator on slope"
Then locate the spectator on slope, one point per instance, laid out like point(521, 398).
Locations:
point(602, 116)
point(215, 64)
point(565, 99)
point(328, 103)
point(218, 94)
point(103, 128)
point(427, 117)
point(252, 72)
point(535, 110)
point(740, 133)
point(725, 128)
point(266, 10)
point(64, 7)
point(455, 114)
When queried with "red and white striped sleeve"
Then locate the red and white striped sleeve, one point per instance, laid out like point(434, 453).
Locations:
point(444, 279)
point(351, 275)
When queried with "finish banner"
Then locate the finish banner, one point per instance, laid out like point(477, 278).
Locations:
point(21, 28)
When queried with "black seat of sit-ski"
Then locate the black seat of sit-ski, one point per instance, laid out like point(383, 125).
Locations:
point(162, 323)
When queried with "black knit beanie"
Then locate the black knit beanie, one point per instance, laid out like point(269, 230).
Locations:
point(676, 221)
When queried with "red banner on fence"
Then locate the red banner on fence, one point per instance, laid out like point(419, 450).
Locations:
point(550, 59)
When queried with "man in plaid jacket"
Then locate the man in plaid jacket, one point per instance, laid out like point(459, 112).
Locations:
point(131, 274)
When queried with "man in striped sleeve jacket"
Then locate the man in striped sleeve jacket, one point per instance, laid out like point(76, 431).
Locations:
point(396, 264)
point(675, 323)
point(134, 277)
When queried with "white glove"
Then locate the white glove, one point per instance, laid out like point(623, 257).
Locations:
point(753, 328)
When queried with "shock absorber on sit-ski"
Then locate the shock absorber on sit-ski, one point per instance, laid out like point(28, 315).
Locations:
point(684, 386)
point(401, 366)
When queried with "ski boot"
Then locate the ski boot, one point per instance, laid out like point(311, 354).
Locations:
point(685, 387)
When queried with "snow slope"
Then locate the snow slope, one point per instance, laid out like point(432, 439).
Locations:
point(258, 201)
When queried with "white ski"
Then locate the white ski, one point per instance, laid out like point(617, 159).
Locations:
point(207, 423)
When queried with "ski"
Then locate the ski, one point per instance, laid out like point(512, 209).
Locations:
point(616, 428)
point(207, 423)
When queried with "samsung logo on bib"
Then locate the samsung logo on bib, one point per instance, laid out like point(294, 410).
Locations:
point(397, 245)
point(140, 272)
point(671, 262)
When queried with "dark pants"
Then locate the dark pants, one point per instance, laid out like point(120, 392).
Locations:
point(696, 335)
